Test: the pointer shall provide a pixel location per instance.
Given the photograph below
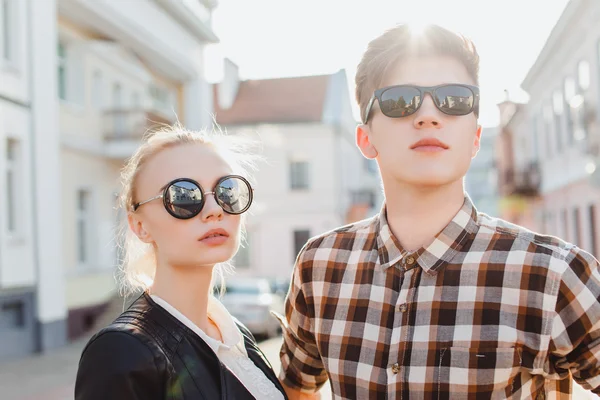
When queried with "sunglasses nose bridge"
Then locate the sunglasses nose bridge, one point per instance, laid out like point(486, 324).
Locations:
point(427, 103)
point(211, 208)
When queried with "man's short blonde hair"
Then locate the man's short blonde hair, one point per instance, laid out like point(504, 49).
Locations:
point(386, 50)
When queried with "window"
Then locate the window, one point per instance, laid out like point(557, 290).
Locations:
point(363, 196)
point(299, 175)
point(12, 315)
point(570, 92)
point(593, 234)
point(598, 63)
point(565, 224)
point(13, 189)
point(136, 103)
point(62, 71)
point(117, 106)
point(300, 239)
point(83, 226)
point(8, 32)
point(548, 129)
point(242, 257)
point(161, 97)
point(558, 107)
point(576, 227)
point(98, 90)
point(371, 166)
point(535, 133)
point(583, 75)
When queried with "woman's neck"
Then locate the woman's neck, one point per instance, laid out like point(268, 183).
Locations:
point(187, 289)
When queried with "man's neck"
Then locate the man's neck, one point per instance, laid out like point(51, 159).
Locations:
point(417, 214)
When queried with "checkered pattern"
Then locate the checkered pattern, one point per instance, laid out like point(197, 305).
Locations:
point(488, 310)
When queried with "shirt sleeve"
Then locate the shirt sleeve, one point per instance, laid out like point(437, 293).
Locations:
point(575, 341)
point(301, 364)
point(117, 365)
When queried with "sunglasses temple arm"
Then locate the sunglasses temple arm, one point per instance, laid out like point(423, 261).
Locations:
point(368, 109)
point(148, 201)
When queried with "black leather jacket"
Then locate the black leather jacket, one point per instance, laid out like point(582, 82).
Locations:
point(146, 353)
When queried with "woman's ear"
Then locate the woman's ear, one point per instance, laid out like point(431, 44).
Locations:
point(137, 226)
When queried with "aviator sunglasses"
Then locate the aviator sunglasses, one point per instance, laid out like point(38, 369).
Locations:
point(403, 100)
point(184, 198)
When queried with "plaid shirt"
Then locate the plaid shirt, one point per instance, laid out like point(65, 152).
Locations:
point(488, 310)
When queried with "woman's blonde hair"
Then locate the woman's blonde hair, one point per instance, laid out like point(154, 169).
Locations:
point(137, 261)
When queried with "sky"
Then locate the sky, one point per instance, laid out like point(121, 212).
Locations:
point(282, 38)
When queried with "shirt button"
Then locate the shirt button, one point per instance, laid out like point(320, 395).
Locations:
point(402, 308)
point(410, 260)
point(396, 368)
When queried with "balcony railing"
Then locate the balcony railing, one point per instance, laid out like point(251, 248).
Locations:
point(522, 182)
point(128, 124)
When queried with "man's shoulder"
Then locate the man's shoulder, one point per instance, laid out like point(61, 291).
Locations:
point(344, 236)
point(522, 238)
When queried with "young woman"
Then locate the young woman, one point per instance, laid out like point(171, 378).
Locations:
point(184, 194)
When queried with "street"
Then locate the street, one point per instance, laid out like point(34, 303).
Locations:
point(52, 376)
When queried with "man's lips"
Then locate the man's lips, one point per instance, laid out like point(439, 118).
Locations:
point(429, 143)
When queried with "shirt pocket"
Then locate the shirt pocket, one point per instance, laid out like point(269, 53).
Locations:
point(485, 373)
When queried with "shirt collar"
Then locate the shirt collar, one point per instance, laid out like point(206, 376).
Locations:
point(441, 250)
point(231, 335)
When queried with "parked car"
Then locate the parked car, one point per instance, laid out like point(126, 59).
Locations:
point(251, 300)
point(280, 286)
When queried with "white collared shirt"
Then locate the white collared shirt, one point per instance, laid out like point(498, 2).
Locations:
point(231, 351)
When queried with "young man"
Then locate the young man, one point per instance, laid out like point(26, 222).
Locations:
point(430, 299)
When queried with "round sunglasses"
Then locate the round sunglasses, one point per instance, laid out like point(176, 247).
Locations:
point(184, 198)
point(403, 100)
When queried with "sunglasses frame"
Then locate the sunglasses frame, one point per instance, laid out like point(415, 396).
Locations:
point(423, 90)
point(164, 196)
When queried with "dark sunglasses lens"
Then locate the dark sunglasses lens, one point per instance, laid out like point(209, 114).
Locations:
point(233, 195)
point(454, 100)
point(184, 199)
point(400, 101)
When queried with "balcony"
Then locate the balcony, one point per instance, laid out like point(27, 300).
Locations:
point(525, 182)
point(123, 129)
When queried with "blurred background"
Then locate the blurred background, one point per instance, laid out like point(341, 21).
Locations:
point(82, 80)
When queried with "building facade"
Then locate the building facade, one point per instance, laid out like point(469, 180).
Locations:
point(481, 182)
point(314, 178)
point(82, 81)
point(553, 139)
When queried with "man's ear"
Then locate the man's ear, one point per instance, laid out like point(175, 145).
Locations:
point(363, 141)
point(477, 142)
point(137, 227)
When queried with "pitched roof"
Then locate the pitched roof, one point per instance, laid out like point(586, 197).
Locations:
point(298, 99)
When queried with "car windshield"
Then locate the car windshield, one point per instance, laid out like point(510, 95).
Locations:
point(257, 287)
